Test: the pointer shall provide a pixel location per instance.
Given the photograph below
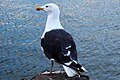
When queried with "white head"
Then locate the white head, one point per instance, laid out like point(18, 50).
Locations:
point(49, 8)
point(53, 16)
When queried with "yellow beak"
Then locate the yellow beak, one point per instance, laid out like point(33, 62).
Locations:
point(39, 8)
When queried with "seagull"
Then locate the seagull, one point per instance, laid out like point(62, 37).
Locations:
point(57, 44)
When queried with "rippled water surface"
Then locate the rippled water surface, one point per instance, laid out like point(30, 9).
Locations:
point(94, 25)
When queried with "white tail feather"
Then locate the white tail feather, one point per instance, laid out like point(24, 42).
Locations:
point(84, 69)
point(70, 72)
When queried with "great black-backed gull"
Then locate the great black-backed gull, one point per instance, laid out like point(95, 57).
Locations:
point(58, 45)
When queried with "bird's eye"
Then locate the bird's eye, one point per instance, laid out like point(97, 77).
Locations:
point(46, 6)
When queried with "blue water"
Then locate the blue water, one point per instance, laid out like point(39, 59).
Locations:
point(94, 25)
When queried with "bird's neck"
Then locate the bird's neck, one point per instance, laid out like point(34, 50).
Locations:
point(53, 22)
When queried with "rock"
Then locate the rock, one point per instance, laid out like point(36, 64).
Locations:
point(59, 77)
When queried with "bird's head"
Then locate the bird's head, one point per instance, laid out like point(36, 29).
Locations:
point(49, 8)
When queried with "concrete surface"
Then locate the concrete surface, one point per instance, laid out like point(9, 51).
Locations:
point(94, 24)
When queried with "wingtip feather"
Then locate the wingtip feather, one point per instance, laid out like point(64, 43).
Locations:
point(84, 69)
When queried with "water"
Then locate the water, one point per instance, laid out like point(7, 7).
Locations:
point(93, 24)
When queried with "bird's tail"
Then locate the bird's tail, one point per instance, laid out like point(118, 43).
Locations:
point(69, 71)
point(73, 69)
point(77, 67)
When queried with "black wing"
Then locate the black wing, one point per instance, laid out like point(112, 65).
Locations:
point(59, 45)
